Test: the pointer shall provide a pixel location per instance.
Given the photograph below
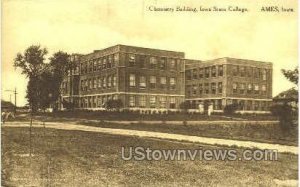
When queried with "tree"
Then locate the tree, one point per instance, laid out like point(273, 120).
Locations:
point(291, 75)
point(31, 62)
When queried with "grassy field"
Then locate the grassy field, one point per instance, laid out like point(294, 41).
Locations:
point(73, 158)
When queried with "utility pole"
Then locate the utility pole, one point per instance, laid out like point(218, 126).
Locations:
point(15, 92)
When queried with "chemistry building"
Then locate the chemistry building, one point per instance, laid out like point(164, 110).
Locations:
point(153, 79)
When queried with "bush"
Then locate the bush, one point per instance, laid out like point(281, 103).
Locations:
point(284, 113)
point(230, 109)
point(113, 104)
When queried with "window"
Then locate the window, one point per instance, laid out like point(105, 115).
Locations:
point(95, 83)
point(194, 89)
point(90, 84)
point(188, 74)
point(153, 62)
point(86, 84)
point(220, 70)
point(195, 75)
point(235, 70)
point(104, 63)
point(249, 71)
point(220, 87)
point(131, 101)
point(172, 102)
point(207, 72)
point(142, 61)
point(263, 89)
point(201, 72)
point(206, 88)
point(172, 83)
point(172, 64)
point(116, 57)
point(109, 63)
point(234, 87)
point(109, 81)
point(152, 81)
point(249, 90)
point(163, 82)
point(213, 71)
point(99, 101)
point(99, 82)
point(131, 59)
point(142, 101)
point(142, 82)
point(242, 88)
point(200, 89)
point(82, 85)
point(188, 90)
point(213, 88)
point(256, 89)
point(104, 82)
point(90, 66)
point(95, 65)
point(163, 63)
point(256, 72)
point(152, 101)
point(162, 101)
point(132, 80)
point(114, 80)
point(264, 74)
point(99, 65)
point(242, 71)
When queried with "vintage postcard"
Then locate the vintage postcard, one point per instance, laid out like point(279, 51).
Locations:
point(149, 93)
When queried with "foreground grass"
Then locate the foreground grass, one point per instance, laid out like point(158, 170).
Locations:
point(73, 158)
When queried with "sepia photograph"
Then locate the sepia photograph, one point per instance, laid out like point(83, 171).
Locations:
point(149, 93)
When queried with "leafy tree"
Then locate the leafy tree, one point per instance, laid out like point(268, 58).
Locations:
point(31, 62)
point(291, 75)
point(59, 66)
point(230, 109)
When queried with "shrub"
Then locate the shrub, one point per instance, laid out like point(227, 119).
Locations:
point(284, 113)
point(113, 104)
point(230, 109)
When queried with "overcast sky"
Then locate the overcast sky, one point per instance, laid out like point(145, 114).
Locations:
point(83, 26)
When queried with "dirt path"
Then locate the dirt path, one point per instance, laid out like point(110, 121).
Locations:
point(149, 134)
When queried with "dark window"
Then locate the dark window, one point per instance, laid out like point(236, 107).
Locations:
point(206, 87)
point(195, 76)
point(201, 72)
point(213, 88)
point(200, 89)
point(153, 62)
point(131, 59)
point(220, 87)
point(213, 71)
point(207, 72)
point(163, 63)
point(220, 69)
point(235, 70)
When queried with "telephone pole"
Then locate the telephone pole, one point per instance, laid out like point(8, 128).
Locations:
point(15, 92)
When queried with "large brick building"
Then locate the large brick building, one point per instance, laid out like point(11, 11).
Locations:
point(225, 81)
point(141, 78)
point(152, 79)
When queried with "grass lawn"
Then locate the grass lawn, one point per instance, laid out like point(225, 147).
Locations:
point(74, 158)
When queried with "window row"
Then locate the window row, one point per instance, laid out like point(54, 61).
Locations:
point(243, 71)
point(98, 82)
point(153, 80)
point(144, 61)
point(96, 101)
point(205, 72)
point(99, 64)
point(204, 88)
point(241, 88)
point(153, 101)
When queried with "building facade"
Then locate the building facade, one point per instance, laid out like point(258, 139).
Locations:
point(152, 79)
point(142, 78)
point(225, 81)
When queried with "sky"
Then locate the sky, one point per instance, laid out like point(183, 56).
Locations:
point(76, 26)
